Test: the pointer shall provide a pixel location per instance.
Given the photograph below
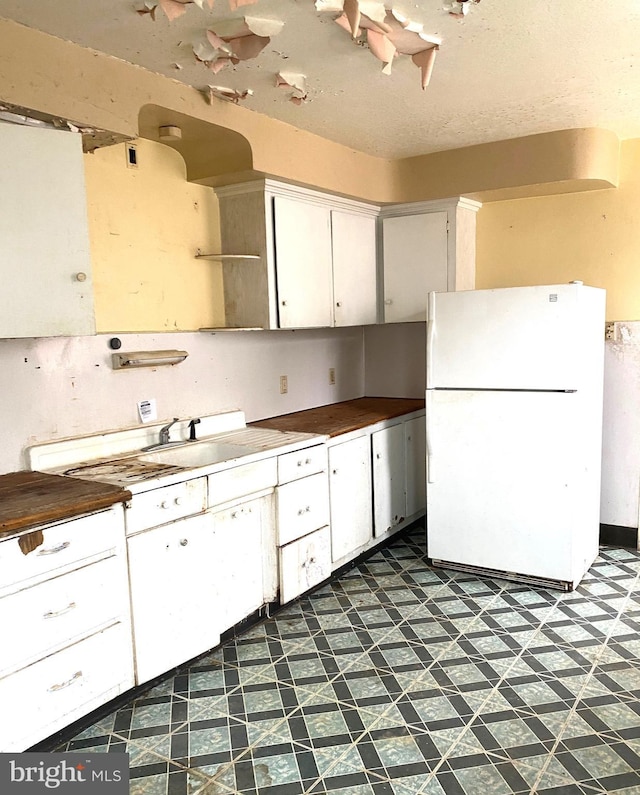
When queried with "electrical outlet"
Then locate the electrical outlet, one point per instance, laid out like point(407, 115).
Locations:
point(332, 375)
point(610, 330)
point(284, 385)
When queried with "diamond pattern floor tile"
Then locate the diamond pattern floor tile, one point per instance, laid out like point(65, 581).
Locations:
point(401, 679)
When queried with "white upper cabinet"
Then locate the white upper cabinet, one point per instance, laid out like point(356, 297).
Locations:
point(316, 257)
point(354, 269)
point(425, 246)
point(44, 238)
point(303, 263)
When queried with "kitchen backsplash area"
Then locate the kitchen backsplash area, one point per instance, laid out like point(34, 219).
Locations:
point(59, 387)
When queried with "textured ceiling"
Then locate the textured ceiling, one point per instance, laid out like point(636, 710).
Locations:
point(506, 69)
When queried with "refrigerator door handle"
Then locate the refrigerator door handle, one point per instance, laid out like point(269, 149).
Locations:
point(431, 322)
point(427, 406)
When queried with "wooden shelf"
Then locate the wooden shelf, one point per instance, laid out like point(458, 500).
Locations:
point(199, 255)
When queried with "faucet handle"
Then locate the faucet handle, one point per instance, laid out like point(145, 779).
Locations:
point(192, 429)
point(164, 431)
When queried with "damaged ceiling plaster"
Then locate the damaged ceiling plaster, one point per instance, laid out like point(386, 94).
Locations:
point(392, 79)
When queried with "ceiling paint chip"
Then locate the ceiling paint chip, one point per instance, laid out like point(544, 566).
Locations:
point(227, 94)
point(296, 81)
point(425, 61)
point(150, 8)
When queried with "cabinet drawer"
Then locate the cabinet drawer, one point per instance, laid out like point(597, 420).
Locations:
point(39, 699)
point(242, 480)
point(167, 504)
point(65, 545)
point(293, 466)
point(302, 506)
point(54, 613)
point(304, 563)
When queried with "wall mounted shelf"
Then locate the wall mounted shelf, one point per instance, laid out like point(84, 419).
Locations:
point(225, 257)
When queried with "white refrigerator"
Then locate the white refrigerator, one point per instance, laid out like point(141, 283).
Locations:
point(514, 431)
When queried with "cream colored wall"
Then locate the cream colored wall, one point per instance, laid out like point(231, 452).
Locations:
point(145, 226)
point(592, 236)
point(43, 73)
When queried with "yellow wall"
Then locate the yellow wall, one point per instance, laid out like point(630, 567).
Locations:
point(594, 237)
point(145, 226)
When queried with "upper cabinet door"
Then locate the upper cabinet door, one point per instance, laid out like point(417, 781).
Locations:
point(415, 262)
point(44, 236)
point(354, 268)
point(303, 263)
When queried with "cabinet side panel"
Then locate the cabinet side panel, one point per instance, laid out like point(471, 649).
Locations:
point(247, 292)
point(464, 274)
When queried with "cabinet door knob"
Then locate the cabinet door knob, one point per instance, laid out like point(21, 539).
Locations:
point(81, 277)
point(284, 303)
point(338, 303)
point(164, 504)
point(388, 301)
point(178, 501)
point(378, 455)
point(184, 542)
point(334, 471)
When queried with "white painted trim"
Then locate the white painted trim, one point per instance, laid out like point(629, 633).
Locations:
point(272, 187)
point(436, 205)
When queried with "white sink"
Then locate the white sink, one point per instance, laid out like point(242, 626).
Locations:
point(199, 454)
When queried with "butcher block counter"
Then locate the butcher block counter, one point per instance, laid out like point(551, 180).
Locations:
point(28, 499)
point(339, 418)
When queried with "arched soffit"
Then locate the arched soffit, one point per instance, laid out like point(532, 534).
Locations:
point(208, 150)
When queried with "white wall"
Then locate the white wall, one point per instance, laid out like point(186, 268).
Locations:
point(395, 360)
point(59, 387)
point(621, 432)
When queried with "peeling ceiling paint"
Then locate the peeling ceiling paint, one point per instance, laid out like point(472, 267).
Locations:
point(504, 68)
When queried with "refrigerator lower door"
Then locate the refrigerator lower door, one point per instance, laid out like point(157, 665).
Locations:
point(513, 482)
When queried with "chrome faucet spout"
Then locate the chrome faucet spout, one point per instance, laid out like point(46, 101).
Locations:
point(164, 431)
point(165, 439)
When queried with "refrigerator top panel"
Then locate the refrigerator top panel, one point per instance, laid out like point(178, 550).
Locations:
point(547, 337)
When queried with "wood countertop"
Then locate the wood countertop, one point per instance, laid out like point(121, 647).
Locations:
point(339, 418)
point(28, 499)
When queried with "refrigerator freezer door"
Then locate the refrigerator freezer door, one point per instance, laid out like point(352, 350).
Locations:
point(514, 338)
point(513, 482)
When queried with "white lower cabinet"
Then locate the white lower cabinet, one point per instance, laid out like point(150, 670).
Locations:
point(53, 692)
point(389, 506)
point(173, 574)
point(302, 518)
point(376, 484)
point(415, 439)
point(350, 495)
point(65, 624)
point(304, 563)
point(239, 560)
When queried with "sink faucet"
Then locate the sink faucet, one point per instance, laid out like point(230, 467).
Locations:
point(164, 437)
point(164, 431)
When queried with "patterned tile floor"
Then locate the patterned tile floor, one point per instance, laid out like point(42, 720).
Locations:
point(398, 679)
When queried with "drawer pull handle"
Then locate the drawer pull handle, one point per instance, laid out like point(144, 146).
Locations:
point(184, 542)
point(300, 463)
point(62, 685)
point(234, 515)
point(178, 501)
point(61, 612)
point(302, 511)
point(307, 461)
point(53, 550)
point(164, 504)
